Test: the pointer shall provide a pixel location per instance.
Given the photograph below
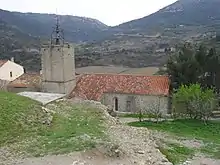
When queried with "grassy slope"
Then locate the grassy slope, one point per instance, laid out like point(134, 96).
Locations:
point(189, 128)
point(73, 128)
point(176, 153)
point(18, 117)
point(209, 134)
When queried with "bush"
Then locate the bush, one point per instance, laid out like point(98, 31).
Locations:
point(152, 110)
point(194, 102)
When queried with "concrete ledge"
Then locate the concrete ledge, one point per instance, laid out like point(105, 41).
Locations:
point(41, 97)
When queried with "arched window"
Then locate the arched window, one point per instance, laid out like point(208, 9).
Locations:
point(116, 104)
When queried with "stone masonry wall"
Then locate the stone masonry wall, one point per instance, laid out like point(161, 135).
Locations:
point(132, 103)
point(58, 68)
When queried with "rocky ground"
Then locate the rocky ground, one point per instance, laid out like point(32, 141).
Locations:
point(131, 146)
point(128, 146)
point(202, 160)
point(198, 159)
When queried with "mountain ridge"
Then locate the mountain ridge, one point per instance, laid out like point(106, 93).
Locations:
point(77, 29)
point(182, 12)
point(136, 43)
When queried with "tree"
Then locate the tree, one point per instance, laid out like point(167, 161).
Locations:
point(154, 109)
point(140, 115)
point(194, 102)
point(212, 69)
point(194, 64)
point(183, 67)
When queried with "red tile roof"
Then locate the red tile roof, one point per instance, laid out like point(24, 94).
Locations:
point(92, 87)
point(30, 79)
point(27, 80)
point(2, 62)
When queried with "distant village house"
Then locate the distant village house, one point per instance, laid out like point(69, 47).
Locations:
point(9, 70)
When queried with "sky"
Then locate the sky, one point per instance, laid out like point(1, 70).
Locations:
point(110, 12)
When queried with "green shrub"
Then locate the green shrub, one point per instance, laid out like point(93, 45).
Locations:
point(194, 102)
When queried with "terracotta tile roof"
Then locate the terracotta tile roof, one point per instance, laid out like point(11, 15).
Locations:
point(2, 62)
point(92, 87)
point(27, 80)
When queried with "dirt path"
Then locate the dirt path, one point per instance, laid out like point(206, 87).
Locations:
point(135, 147)
point(201, 160)
point(88, 158)
point(189, 143)
point(138, 145)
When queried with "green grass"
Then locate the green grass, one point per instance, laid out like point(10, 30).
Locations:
point(176, 153)
point(211, 149)
point(194, 129)
point(133, 115)
point(188, 128)
point(74, 127)
point(18, 117)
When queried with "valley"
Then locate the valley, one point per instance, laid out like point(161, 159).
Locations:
point(138, 43)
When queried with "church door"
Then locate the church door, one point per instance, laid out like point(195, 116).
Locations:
point(129, 108)
point(116, 103)
point(130, 104)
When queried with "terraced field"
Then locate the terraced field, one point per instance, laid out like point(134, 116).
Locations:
point(117, 70)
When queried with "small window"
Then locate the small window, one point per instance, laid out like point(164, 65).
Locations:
point(10, 74)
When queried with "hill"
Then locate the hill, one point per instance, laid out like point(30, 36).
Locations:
point(27, 129)
point(77, 29)
point(142, 42)
point(181, 13)
point(138, 43)
point(18, 44)
point(23, 33)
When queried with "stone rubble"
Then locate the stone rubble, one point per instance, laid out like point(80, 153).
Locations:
point(107, 116)
point(48, 118)
point(7, 157)
point(201, 160)
point(136, 143)
point(79, 163)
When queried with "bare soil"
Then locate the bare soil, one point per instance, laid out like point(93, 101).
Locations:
point(93, 157)
point(130, 146)
point(202, 160)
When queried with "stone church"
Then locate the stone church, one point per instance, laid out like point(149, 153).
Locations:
point(124, 93)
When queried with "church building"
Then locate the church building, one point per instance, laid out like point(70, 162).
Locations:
point(124, 93)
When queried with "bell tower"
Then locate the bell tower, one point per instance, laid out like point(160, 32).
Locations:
point(58, 64)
